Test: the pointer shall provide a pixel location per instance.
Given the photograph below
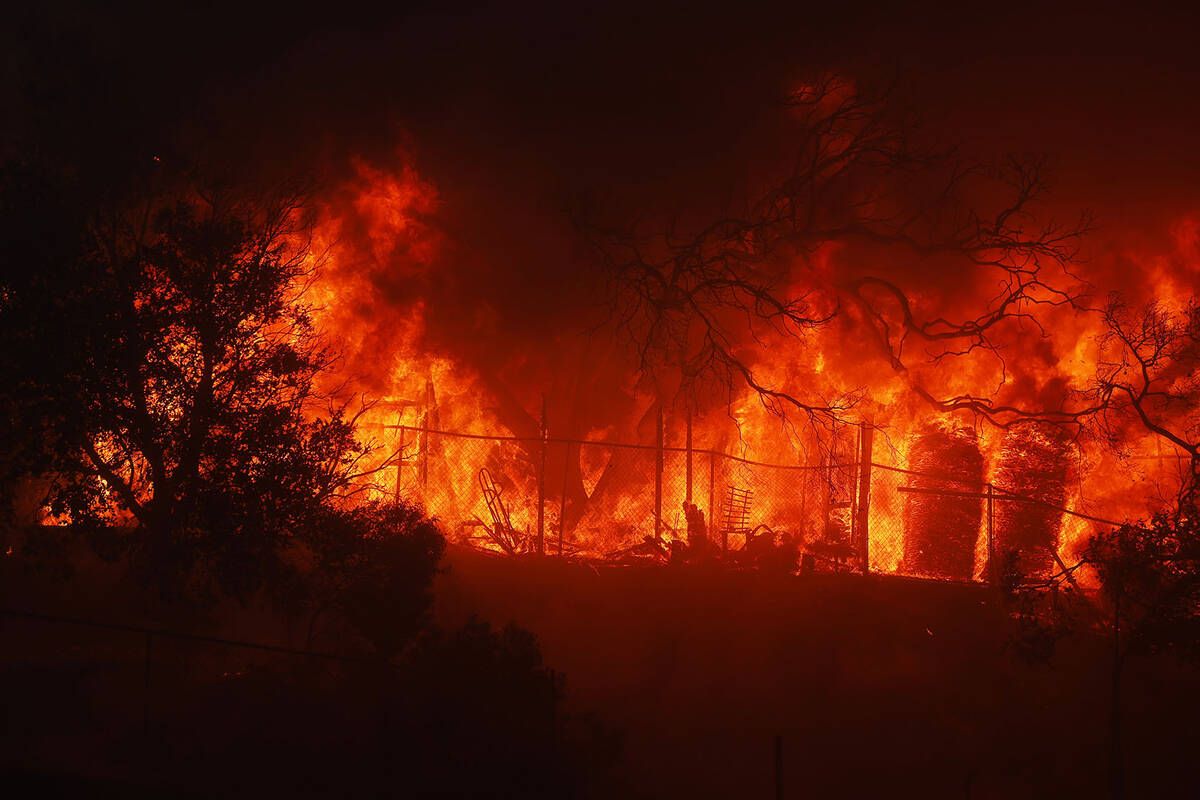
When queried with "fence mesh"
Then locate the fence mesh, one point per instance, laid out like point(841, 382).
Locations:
point(600, 498)
point(442, 471)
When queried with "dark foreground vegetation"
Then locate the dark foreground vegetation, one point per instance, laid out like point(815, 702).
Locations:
point(878, 686)
point(175, 464)
point(116, 712)
point(873, 685)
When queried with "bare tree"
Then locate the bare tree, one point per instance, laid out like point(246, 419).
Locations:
point(860, 178)
point(1146, 381)
point(1148, 378)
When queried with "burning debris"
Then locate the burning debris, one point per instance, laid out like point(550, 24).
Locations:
point(940, 529)
point(501, 531)
point(1033, 463)
point(581, 477)
point(737, 514)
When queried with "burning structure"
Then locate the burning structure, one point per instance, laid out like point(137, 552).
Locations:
point(743, 381)
point(609, 367)
point(941, 523)
point(1033, 463)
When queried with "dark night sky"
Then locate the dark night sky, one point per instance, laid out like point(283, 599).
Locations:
point(581, 90)
point(511, 110)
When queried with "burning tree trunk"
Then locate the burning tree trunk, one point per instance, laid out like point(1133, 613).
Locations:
point(940, 529)
point(1033, 463)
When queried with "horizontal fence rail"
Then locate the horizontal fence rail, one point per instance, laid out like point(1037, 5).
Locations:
point(605, 499)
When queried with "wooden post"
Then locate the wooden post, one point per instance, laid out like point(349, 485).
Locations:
point(778, 766)
point(688, 490)
point(991, 550)
point(658, 474)
point(863, 522)
point(146, 690)
point(541, 511)
point(562, 502)
point(427, 425)
point(712, 498)
point(399, 456)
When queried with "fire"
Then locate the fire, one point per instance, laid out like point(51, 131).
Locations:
point(384, 252)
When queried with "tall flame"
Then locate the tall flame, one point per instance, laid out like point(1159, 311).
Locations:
point(385, 251)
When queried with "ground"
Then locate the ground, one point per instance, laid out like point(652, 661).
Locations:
point(875, 684)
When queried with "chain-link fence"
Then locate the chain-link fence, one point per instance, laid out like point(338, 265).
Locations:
point(597, 499)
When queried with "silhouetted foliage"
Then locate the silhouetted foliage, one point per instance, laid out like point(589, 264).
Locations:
point(1150, 581)
point(368, 567)
point(1043, 613)
point(43, 231)
point(472, 713)
point(1148, 601)
point(164, 381)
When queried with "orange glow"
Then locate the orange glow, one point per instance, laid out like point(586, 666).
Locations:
point(384, 247)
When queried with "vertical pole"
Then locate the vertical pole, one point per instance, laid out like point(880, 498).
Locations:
point(712, 499)
point(688, 490)
point(863, 523)
point(826, 500)
point(991, 547)
point(427, 424)
point(399, 456)
point(146, 690)
point(1116, 758)
point(562, 503)
point(658, 472)
point(541, 511)
point(778, 767)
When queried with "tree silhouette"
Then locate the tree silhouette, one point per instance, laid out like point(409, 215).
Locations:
point(1146, 381)
point(366, 571)
point(1147, 378)
point(167, 370)
point(859, 177)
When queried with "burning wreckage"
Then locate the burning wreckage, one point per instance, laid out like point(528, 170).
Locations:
point(938, 507)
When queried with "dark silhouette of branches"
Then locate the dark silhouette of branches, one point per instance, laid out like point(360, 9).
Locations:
point(1148, 377)
point(859, 177)
point(169, 368)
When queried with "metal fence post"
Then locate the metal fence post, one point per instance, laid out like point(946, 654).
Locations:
point(658, 472)
point(778, 766)
point(863, 522)
point(426, 425)
point(688, 490)
point(399, 457)
point(712, 499)
point(146, 690)
point(541, 481)
point(991, 549)
point(562, 502)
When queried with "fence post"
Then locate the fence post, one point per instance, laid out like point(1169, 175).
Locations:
point(146, 690)
point(542, 483)
point(427, 425)
point(688, 490)
point(778, 766)
point(991, 551)
point(658, 472)
point(712, 500)
point(863, 523)
point(399, 457)
point(562, 502)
